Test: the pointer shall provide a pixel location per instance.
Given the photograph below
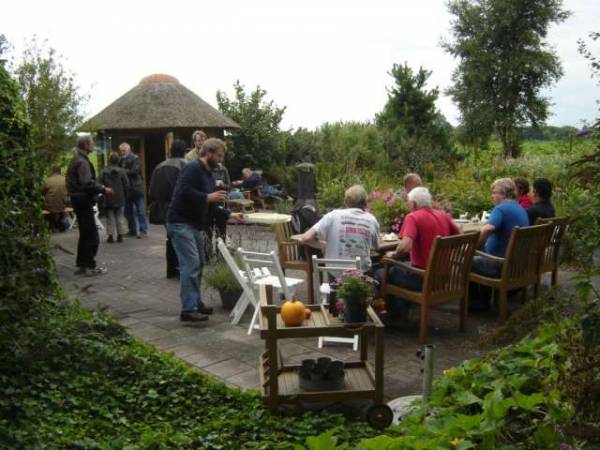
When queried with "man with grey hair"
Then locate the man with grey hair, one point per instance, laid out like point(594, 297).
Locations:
point(198, 138)
point(135, 209)
point(348, 232)
point(83, 190)
point(418, 230)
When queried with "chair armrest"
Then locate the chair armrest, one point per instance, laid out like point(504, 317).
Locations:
point(490, 257)
point(403, 265)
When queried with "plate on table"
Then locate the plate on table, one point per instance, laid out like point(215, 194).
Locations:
point(389, 237)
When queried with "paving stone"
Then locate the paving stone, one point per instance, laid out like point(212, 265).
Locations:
point(246, 380)
point(228, 368)
point(204, 358)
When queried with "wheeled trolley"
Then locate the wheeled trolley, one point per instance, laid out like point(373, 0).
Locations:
point(279, 383)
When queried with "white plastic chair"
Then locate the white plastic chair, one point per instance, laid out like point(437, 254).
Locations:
point(321, 269)
point(259, 268)
point(248, 296)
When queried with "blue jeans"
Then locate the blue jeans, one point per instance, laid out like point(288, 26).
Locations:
point(188, 243)
point(486, 267)
point(138, 202)
point(235, 195)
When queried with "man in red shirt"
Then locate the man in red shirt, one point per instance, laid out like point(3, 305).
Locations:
point(418, 230)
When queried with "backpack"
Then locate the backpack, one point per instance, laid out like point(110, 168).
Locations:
point(304, 218)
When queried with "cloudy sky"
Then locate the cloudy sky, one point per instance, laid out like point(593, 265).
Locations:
point(324, 60)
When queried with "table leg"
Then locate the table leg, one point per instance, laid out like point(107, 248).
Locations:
point(311, 287)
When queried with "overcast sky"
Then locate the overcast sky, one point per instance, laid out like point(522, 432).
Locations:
point(324, 60)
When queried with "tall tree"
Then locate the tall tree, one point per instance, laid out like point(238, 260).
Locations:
point(257, 144)
point(414, 131)
point(504, 63)
point(52, 101)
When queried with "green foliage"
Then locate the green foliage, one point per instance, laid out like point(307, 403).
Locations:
point(594, 60)
point(218, 276)
point(258, 143)
point(52, 101)
point(388, 208)
point(80, 381)
point(510, 398)
point(414, 131)
point(504, 64)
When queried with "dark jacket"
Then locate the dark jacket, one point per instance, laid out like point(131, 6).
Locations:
point(542, 209)
point(162, 184)
point(115, 178)
point(252, 182)
point(131, 164)
point(81, 181)
point(222, 174)
point(190, 204)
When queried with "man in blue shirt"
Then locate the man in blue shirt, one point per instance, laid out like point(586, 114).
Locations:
point(194, 206)
point(506, 215)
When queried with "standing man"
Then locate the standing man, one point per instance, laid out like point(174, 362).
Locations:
point(198, 138)
point(162, 185)
point(55, 197)
point(193, 207)
point(131, 163)
point(83, 189)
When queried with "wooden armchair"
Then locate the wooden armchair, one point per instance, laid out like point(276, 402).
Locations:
point(550, 258)
point(444, 280)
point(521, 265)
point(290, 256)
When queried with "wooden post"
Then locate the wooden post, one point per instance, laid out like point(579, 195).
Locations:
point(168, 142)
point(379, 364)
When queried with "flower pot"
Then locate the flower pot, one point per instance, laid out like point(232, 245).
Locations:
point(229, 297)
point(355, 313)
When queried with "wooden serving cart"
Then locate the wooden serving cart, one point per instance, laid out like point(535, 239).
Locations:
point(279, 383)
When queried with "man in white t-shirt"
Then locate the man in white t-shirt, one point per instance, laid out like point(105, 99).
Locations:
point(348, 232)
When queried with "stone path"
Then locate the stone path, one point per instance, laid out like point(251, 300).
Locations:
point(136, 292)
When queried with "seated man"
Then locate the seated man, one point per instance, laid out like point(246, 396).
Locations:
point(252, 181)
point(349, 232)
point(409, 182)
point(506, 215)
point(418, 230)
point(55, 198)
point(541, 207)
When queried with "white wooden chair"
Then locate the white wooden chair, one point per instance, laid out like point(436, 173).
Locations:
point(322, 268)
point(248, 295)
point(259, 270)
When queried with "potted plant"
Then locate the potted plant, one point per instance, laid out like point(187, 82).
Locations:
point(388, 208)
point(219, 277)
point(354, 292)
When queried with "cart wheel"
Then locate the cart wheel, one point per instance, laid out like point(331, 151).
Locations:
point(380, 416)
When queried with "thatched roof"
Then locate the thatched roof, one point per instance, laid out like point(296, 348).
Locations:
point(159, 101)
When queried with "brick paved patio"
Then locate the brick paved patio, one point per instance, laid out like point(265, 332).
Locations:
point(136, 292)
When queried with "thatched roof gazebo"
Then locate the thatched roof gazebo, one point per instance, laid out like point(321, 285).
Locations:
point(152, 114)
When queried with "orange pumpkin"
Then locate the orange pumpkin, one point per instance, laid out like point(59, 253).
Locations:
point(307, 313)
point(293, 313)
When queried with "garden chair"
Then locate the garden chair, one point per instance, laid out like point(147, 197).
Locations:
point(248, 296)
point(521, 266)
point(321, 269)
point(445, 279)
point(264, 269)
point(550, 258)
point(290, 256)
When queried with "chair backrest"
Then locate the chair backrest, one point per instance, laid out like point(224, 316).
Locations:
point(524, 254)
point(235, 269)
point(288, 250)
point(330, 266)
point(448, 266)
point(559, 228)
point(261, 265)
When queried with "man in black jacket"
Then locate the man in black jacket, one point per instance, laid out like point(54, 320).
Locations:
point(131, 163)
point(542, 207)
point(83, 190)
point(162, 184)
point(115, 178)
point(193, 208)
